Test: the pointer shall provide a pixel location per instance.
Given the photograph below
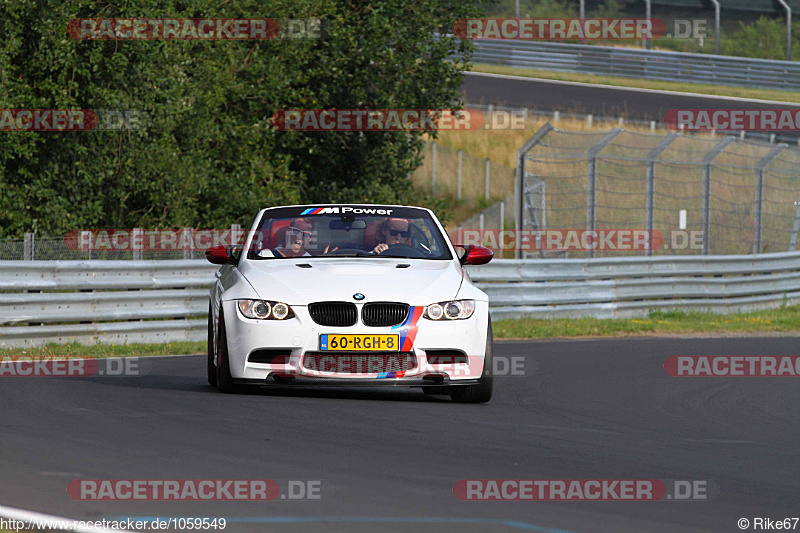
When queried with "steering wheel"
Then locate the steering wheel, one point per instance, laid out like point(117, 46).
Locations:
point(402, 249)
point(343, 251)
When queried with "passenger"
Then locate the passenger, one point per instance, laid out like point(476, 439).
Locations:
point(291, 241)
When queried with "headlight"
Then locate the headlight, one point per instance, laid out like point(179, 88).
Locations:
point(263, 310)
point(454, 310)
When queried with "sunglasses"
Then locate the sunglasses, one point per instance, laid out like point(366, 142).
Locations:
point(402, 233)
point(297, 232)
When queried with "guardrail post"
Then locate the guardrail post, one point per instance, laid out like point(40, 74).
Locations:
point(650, 187)
point(460, 155)
point(795, 228)
point(433, 171)
point(591, 182)
point(759, 194)
point(520, 175)
point(487, 178)
point(707, 159)
point(28, 248)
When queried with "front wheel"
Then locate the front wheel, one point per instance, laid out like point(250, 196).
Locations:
point(223, 370)
point(482, 391)
point(212, 367)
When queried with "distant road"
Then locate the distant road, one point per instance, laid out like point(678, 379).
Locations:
point(583, 98)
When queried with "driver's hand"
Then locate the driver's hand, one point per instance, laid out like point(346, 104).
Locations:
point(381, 247)
point(328, 249)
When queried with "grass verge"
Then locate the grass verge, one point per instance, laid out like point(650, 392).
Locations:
point(108, 350)
point(780, 320)
point(716, 90)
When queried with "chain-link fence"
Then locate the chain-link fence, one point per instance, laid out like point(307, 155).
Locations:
point(691, 194)
point(115, 245)
point(469, 182)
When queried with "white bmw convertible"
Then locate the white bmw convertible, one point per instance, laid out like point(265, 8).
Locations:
point(350, 295)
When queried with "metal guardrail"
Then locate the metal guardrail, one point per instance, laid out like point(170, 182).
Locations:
point(166, 301)
point(114, 302)
point(646, 64)
point(621, 287)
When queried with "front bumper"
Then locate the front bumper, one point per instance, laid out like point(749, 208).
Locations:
point(276, 378)
point(299, 336)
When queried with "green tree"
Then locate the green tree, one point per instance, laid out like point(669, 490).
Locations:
point(208, 154)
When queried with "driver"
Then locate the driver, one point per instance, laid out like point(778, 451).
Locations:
point(392, 231)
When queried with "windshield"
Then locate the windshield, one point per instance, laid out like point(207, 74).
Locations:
point(348, 231)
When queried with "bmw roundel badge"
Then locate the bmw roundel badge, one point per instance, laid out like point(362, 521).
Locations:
point(358, 296)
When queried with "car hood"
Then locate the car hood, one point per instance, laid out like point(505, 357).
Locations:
point(422, 282)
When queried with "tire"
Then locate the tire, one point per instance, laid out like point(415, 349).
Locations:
point(212, 367)
point(224, 380)
point(482, 391)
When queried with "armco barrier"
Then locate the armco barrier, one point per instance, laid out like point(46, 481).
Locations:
point(165, 301)
point(637, 63)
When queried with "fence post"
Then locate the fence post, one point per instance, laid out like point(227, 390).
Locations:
point(788, 10)
point(707, 159)
point(716, 26)
point(236, 233)
point(759, 194)
point(488, 177)
point(460, 160)
point(519, 176)
point(187, 236)
point(650, 187)
point(85, 242)
point(795, 228)
point(137, 243)
point(502, 228)
point(433, 172)
point(591, 183)
point(28, 247)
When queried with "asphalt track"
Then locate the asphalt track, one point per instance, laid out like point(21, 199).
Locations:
point(582, 98)
point(388, 460)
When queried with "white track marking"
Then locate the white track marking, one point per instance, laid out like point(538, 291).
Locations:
point(633, 89)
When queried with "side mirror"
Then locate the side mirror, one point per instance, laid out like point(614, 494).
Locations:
point(473, 255)
point(219, 255)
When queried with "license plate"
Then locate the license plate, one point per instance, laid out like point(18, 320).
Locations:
point(359, 343)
